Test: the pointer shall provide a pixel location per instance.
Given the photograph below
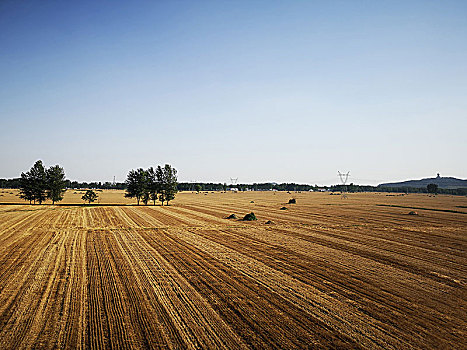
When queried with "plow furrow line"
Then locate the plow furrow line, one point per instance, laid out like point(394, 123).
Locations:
point(196, 323)
point(340, 316)
point(254, 312)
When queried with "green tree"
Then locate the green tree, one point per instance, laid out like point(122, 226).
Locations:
point(432, 188)
point(145, 198)
point(90, 196)
point(38, 183)
point(55, 183)
point(169, 184)
point(26, 190)
point(137, 185)
point(160, 181)
point(154, 186)
point(198, 188)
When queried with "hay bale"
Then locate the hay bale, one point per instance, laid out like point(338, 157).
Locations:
point(232, 216)
point(250, 217)
point(413, 213)
point(252, 201)
point(292, 201)
point(269, 222)
point(284, 208)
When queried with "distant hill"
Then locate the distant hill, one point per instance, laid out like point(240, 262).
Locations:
point(442, 182)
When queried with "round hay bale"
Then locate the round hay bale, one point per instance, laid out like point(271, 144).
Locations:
point(284, 208)
point(232, 216)
point(250, 217)
point(269, 222)
point(413, 212)
point(292, 201)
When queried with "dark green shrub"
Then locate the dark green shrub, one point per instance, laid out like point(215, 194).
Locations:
point(250, 217)
point(232, 216)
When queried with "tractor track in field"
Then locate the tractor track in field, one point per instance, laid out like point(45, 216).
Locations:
point(236, 290)
point(349, 286)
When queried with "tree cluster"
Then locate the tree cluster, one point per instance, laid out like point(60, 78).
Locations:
point(39, 184)
point(432, 188)
point(90, 196)
point(152, 184)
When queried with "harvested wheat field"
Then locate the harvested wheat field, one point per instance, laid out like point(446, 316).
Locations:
point(325, 273)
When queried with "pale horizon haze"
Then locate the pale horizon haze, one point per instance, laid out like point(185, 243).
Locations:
point(284, 91)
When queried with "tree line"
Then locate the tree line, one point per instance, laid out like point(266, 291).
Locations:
point(152, 184)
point(16, 183)
point(95, 185)
point(268, 186)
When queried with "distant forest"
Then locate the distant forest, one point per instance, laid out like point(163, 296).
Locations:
point(290, 187)
point(15, 183)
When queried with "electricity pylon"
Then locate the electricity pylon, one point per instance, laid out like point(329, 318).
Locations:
point(344, 178)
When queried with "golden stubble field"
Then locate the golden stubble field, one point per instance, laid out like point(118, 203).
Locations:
point(326, 273)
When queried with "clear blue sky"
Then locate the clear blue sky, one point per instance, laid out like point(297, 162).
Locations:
point(260, 90)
